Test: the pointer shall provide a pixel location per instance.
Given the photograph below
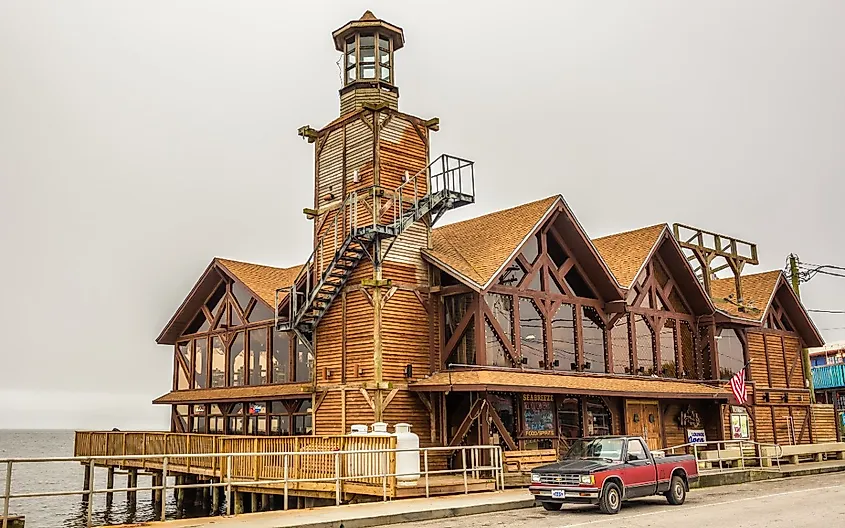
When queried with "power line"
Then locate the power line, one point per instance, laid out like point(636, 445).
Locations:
point(827, 311)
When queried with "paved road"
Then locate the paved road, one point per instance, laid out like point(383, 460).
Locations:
point(811, 502)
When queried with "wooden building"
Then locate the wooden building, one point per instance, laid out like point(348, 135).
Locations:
point(514, 327)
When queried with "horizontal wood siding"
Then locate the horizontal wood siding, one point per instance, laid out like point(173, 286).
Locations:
point(763, 425)
point(407, 408)
point(359, 153)
point(328, 418)
point(794, 367)
point(330, 170)
point(329, 343)
point(357, 98)
point(407, 250)
point(823, 421)
point(757, 355)
point(774, 349)
point(404, 337)
point(358, 411)
point(402, 149)
point(359, 337)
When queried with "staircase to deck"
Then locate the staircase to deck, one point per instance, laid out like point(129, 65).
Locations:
point(364, 219)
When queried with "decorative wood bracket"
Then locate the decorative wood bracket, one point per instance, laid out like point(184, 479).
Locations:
point(306, 132)
point(368, 399)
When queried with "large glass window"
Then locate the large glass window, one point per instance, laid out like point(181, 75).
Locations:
point(279, 419)
point(505, 408)
point(351, 60)
point(215, 420)
point(198, 419)
point(200, 363)
point(237, 361)
point(302, 419)
point(241, 294)
point(367, 52)
point(645, 346)
point(685, 341)
point(731, 356)
point(569, 419)
point(384, 58)
point(502, 308)
point(667, 349)
point(594, 340)
point(599, 419)
point(619, 346)
point(531, 331)
point(512, 275)
point(563, 338)
point(531, 249)
point(556, 252)
point(256, 418)
point(455, 308)
point(218, 362)
point(183, 351)
point(258, 356)
point(259, 312)
point(235, 419)
point(304, 360)
point(281, 357)
point(181, 413)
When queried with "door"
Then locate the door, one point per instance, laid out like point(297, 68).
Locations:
point(640, 474)
point(642, 418)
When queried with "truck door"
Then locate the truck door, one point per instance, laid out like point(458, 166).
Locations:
point(640, 474)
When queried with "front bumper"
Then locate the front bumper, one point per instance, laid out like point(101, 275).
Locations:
point(572, 494)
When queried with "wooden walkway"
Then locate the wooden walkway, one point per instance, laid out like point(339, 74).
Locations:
point(320, 462)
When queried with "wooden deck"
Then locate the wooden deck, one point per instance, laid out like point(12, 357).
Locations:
point(320, 463)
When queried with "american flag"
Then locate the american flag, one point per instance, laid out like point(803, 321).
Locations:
point(738, 386)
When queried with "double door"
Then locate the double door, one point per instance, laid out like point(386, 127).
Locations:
point(642, 418)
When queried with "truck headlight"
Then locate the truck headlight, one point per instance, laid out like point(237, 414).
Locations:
point(588, 479)
point(535, 477)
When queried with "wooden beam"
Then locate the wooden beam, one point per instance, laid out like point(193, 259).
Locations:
point(503, 432)
point(456, 336)
point(509, 347)
point(389, 398)
point(368, 399)
point(472, 414)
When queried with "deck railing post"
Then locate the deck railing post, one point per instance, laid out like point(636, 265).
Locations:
point(719, 454)
point(425, 466)
point(337, 490)
point(464, 464)
point(164, 487)
point(286, 481)
point(7, 493)
point(90, 470)
point(229, 497)
point(384, 471)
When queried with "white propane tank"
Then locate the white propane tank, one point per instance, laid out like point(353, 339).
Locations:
point(377, 463)
point(355, 462)
point(407, 462)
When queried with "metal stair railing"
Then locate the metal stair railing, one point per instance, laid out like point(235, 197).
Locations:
point(451, 183)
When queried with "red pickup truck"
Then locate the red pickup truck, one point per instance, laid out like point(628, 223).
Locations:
point(607, 470)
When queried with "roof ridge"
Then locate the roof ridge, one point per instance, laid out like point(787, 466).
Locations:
point(499, 211)
point(644, 228)
point(224, 260)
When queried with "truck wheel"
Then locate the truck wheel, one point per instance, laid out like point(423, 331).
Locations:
point(677, 493)
point(552, 506)
point(611, 499)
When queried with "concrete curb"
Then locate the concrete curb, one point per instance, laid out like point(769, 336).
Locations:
point(419, 516)
point(755, 475)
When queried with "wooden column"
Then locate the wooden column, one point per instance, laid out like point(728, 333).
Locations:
point(216, 494)
point(239, 502)
point(110, 485)
point(86, 480)
point(255, 502)
point(180, 493)
point(132, 482)
point(266, 502)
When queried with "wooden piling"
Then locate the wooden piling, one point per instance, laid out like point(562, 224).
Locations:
point(255, 502)
point(110, 485)
point(156, 494)
point(239, 502)
point(86, 481)
point(132, 482)
point(216, 494)
point(180, 493)
point(266, 502)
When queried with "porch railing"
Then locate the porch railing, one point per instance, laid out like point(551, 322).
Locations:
point(336, 468)
point(727, 453)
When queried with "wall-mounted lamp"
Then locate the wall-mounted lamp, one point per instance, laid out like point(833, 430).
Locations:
point(355, 177)
point(766, 397)
point(587, 365)
point(406, 177)
point(785, 397)
point(555, 363)
point(651, 418)
point(573, 366)
point(636, 418)
point(327, 373)
point(409, 371)
point(524, 361)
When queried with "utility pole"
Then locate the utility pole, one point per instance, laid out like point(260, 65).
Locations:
point(805, 353)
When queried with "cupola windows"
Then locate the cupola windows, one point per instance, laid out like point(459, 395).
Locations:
point(368, 57)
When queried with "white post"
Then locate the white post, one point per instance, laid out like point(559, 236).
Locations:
point(286, 482)
point(229, 497)
point(384, 467)
point(337, 500)
point(464, 464)
point(90, 492)
point(164, 489)
point(425, 466)
point(7, 493)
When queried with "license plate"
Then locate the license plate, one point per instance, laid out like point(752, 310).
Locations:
point(558, 494)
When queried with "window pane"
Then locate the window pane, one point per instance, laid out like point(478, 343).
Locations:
point(667, 350)
point(302, 424)
point(182, 375)
point(200, 363)
point(569, 419)
point(556, 252)
point(258, 356)
point(534, 283)
point(281, 357)
point(237, 361)
point(578, 285)
point(504, 405)
point(563, 337)
point(350, 58)
point(731, 357)
point(497, 356)
point(214, 303)
point(280, 425)
point(368, 55)
point(645, 346)
point(502, 308)
point(593, 329)
point(241, 295)
point(687, 351)
point(385, 73)
point(383, 42)
point(233, 313)
point(304, 360)
point(384, 57)
point(512, 275)
point(350, 75)
point(599, 420)
point(531, 330)
point(350, 44)
point(368, 71)
point(455, 308)
point(619, 346)
point(181, 378)
point(531, 249)
point(368, 40)
point(552, 285)
point(199, 324)
point(260, 313)
point(218, 362)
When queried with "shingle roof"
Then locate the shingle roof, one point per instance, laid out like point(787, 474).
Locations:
point(625, 253)
point(262, 280)
point(483, 380)
point(477, 248)
point(289, 390)
point(757, 290)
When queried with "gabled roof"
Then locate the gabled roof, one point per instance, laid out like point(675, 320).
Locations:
point(758, 291)
point(260, 280)
point(477, 248)
point(626, 253)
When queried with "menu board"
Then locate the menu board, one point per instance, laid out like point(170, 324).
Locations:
point(539, 415)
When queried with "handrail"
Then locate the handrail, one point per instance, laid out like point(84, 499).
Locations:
point(722, 445)
point(380, 468)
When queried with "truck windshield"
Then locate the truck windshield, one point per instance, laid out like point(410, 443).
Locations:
point(597, 448)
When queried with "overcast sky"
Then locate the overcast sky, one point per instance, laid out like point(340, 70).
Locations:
point(140, 139)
